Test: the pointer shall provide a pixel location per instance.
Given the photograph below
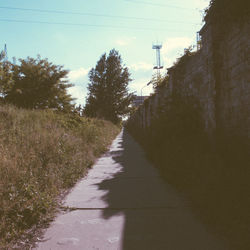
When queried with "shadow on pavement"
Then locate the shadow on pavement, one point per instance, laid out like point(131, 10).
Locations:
point(156, 217)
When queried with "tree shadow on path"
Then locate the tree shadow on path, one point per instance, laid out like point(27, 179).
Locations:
point(156, 216)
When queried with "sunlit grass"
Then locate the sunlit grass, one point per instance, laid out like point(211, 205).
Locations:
point(42, 153)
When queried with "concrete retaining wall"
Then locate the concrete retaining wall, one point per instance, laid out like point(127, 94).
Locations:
point(224, 97)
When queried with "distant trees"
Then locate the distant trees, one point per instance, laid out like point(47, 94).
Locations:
point(36, 84)
point(108, 95)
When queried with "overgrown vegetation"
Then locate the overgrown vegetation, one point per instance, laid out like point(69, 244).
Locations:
point(158, 81)
point(224, 12)
point(42, 153)
point(35, 84)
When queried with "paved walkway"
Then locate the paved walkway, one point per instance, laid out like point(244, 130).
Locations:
point(123, 204)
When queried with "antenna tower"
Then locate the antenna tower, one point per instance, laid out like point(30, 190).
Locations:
point(158, 59)
point(198, 40)
point(5, 53)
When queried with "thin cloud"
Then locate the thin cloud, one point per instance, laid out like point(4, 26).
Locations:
point(125, 41)
point(174, 47)
point(201, 4)
point(139, 86)
point(141, 66)
point(79, 93)
point(78, 74)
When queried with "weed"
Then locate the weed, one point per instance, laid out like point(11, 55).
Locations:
point(42, 153)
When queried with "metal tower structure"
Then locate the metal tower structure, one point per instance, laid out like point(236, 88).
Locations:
point(5, 53)
point(198, 40)
point(158, 66)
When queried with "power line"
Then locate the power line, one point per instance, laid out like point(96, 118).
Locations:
point(92, 14)
point(85, 25)
point(160, 4)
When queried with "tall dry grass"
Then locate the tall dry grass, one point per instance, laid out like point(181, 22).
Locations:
point(41, 154)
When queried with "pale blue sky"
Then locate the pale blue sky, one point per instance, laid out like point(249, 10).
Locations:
point(97, 26)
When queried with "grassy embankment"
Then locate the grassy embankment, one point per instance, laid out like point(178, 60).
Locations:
point(42, 154)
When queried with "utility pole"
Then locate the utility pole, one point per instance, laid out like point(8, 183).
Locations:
point(142, 100)
point(158, 66)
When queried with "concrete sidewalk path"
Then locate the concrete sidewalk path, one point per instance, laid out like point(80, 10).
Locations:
point(123, 204)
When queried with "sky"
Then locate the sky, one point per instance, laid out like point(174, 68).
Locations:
point(75, 33)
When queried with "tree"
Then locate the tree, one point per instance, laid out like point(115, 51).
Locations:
point(39, 84)
point(108, 95)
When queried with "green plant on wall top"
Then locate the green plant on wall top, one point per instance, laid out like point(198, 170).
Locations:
point(224, 12)
point(159, 81)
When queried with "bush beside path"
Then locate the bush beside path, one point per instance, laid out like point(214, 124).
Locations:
point(43, 153)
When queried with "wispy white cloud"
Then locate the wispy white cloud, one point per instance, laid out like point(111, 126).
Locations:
point(143, 66)
point(124, 41)
point(139, 86)
point(173, 47)
point(60, 37)
point(174, 43)
point(201, 4)
point(79, 93)
point(78, 75)
point(79, 90)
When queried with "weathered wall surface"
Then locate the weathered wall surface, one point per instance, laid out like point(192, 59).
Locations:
point(213, 170)
point(234, 90)
point(222, 88)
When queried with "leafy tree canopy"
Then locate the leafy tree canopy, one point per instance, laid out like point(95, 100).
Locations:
point(108, 95)
point(39, 84)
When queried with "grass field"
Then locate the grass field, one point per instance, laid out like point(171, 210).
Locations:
point(42, 154)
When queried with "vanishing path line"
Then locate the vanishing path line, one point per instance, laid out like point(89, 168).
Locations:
point(123, 204)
